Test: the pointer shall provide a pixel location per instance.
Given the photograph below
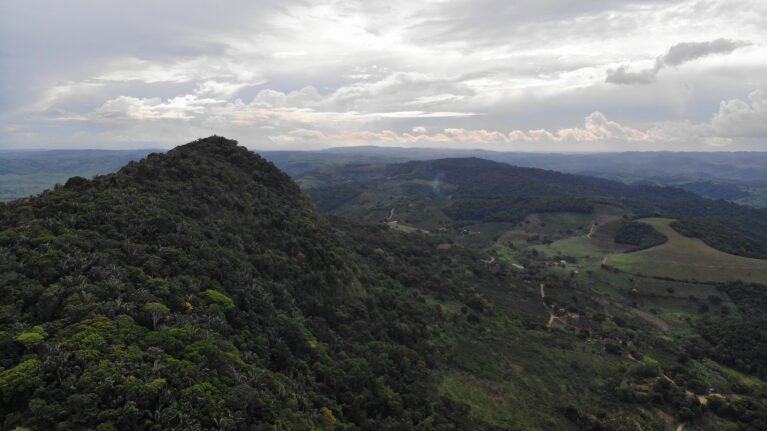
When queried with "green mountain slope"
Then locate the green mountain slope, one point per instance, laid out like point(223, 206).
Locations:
point(194, 289)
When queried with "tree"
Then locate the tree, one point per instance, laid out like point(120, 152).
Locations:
point(219, 298)
point(157, 311)
point(22, 378)
point(327, 418)
point(32, 338)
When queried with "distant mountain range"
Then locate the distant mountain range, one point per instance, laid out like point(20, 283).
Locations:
point(735, 176)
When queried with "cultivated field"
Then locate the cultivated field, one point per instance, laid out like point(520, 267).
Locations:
point(683, 258)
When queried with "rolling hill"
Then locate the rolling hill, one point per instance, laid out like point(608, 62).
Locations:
point(200, 289)
point(467, 191)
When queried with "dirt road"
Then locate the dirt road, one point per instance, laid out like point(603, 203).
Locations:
point(391, 214)
point(592, 230)
point(552, 316)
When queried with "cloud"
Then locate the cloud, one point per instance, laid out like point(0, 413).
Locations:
point(223, 89)
point(688, 51)
point(447, 137)
point(480, 24)
point(622, 75)
point(737, 118)
point(245, 115)
point(394, 91)
point(676, 55)
point(268, 108)
point(464, 72)
point(597, 128)
point(132, 108)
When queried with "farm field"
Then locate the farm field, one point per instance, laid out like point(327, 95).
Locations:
point(581, 247)
point(549, 225)
point(690, 259)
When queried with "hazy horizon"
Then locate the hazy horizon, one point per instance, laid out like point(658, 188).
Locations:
point(379, 147)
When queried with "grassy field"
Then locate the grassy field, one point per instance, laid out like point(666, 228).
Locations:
point(549, 225)
point(689, 259)
point(405, 228)
point(583, 247)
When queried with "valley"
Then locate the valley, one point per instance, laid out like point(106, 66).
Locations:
point(666, 288)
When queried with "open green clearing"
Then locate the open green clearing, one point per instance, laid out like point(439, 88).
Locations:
point(549, 225)
point(683, 258)
point(581, 247)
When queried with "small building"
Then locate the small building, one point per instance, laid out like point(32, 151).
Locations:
point(641, 388)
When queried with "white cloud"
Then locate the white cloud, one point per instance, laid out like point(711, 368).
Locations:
point(222, 89)
point(737, 118)
point(448, 137)
point(132, 108)
point(596, 128)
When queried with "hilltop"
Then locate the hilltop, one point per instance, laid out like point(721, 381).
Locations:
point(197, 288)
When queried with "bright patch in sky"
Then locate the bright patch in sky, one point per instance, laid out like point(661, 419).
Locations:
point(538, 75)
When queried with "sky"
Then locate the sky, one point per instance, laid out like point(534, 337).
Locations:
point(533, 76)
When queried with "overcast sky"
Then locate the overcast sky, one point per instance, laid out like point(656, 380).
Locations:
point(539, 75)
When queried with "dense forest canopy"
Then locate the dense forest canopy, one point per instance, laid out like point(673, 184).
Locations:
point(193, 290)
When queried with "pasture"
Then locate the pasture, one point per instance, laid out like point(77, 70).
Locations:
point(689, 259)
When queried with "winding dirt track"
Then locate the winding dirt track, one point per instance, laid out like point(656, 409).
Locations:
point(391, 214)
point(592, 230)
point(552, 316)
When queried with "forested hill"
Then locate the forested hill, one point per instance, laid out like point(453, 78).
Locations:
point(483, 190)
point(196, 289)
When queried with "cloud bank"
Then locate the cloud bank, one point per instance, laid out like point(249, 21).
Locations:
point(735, 119)
point(549, 75)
